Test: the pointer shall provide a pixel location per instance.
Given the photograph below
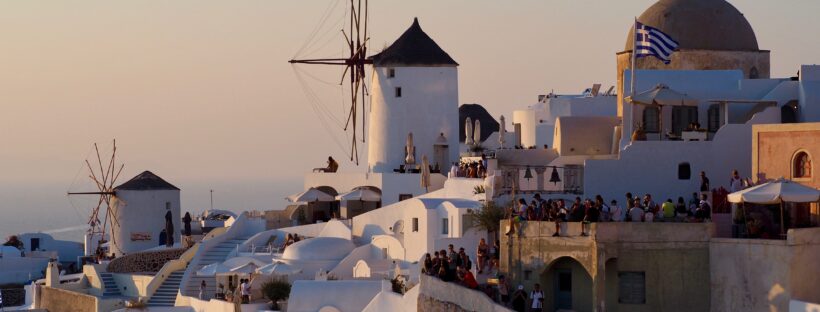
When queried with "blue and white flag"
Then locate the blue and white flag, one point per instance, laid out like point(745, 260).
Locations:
point(649, 41)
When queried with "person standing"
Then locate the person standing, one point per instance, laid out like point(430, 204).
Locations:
point(704, 182)
point(482, 251)
point(537, 297)
point(736, 182)
point(246, 291)
point(186, 223)
point(202, 287)
point(169, 229)
point(519, 299)
point(503, 290)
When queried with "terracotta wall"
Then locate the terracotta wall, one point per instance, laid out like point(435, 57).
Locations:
point(776, 150)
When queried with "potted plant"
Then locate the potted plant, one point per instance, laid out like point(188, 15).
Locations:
point(277, 290)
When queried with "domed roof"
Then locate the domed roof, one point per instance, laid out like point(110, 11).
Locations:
point(700, 25)
point(319, 248)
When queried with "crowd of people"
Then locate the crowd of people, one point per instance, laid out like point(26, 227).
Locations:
point(473, 170)
point(590, 210)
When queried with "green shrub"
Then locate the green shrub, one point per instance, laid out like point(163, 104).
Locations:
point(276, 289)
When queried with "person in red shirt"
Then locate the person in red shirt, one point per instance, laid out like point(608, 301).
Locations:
point(468, 279)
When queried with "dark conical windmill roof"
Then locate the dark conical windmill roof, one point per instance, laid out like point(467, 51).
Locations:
point(145, 181)
point(413, 48)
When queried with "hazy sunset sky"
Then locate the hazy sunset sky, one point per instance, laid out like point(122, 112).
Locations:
point(200, 92)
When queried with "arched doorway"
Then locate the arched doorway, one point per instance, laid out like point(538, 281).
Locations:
point(567, 286)
point(324, 211)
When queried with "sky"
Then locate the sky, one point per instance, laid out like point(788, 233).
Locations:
point(200, 91)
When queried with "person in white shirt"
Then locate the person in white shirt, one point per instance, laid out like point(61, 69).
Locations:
point(618, 214)
point(537, 297)
point(636, 212)
point(454, 170)
point(736, 183)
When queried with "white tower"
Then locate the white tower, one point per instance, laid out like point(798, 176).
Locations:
point(414, 89)
point(140, 206)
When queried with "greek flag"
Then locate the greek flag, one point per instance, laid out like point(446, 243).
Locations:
point(649, 41)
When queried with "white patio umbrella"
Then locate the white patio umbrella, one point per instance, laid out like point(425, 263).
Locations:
point(248, 268)
point(311, 195)
point(661, 95)
point(502, 131)
point(779, 191)
point(279, 267)
point(213, 269)
point(425, 173)
point(477, 132)
point(362, 194)
point(237, 262)
point(410, 150)
point(468, 131)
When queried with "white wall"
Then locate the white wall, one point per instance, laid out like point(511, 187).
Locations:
point(67, 251)
point(143, 211)
point(427, 107)
point(538, 121)
point(652, 166)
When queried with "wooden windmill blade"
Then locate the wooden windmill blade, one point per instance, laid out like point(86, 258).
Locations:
point(354, 70)
point(104, 180)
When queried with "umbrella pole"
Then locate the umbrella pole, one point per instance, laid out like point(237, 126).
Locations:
point(782, 223)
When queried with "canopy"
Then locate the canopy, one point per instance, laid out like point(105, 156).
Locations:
point(775, 192)
point(468, 131)
point(213, 269)
point(477, 132)
point(311, 195)
point(362, 194)
point(278, 267)
point(410, 150)
point(425, 172)
point(502, 132)
point(237, 262)
point(663, 96)
point(248, 268)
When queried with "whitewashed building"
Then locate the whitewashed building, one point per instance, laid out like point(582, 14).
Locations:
point(139, 207)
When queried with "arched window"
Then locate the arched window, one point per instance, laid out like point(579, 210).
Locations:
point(651, 118)
point(801, 165)
point(753, 73)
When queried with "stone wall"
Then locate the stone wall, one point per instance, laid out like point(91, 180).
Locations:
point(58, 300)
point(141, 262)
point(672, 257)
point(438, 296)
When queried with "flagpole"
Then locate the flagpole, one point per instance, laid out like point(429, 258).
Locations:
point(634, 57)
point(632, 73)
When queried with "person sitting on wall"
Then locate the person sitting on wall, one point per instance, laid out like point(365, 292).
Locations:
point(332, 166)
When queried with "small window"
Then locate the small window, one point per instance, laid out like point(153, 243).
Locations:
point(167, 205)
point(801, 165)
point(35, 244)
point(405, 196)
point(527, 274)
point(632, 287)
point(754, 73)
point(391, 72)
point(445, 226)
point(398, 92)
point(684, 171)
point(415, 224)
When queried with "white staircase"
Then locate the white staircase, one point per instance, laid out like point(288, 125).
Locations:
point(110, 288)
point(216, 254)
point(166, 294)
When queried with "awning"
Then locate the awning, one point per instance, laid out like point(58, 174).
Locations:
point(311, 195)
point(279, 268)
point(662, 95)
point(775, 192)
point(361, 194)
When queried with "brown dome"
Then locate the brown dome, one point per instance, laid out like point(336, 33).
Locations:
point(700, 25)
